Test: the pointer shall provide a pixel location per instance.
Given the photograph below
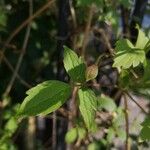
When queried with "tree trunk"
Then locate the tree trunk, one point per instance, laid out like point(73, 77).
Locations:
point(137, 17)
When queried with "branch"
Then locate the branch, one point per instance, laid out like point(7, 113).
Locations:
point(26, 22)
point(125, 14)
point(73, 107)
point(127, 123)
point(54, 131)
point(137, 17)
point(87, 30)
point(24, 46)
point(108, 44)
point(136, 103)
point(73, 110)
point(22, 81)
point(74, 21)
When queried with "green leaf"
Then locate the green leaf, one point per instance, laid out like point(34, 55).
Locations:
point(147, 47)
point(45, 98)
point(89, 2)
point(94, 146)
point(81, 133)
point(142, 40)
point(88, 107)
point(142, 87)
point(11, 125)
point(112, 17)
point(146, 71)
point(7, 145)
point(146, 122)
point(119, 120)
point(126, 3)
point(74, 65)
point(3, 18)
point(71, 135)
point(106, 103)
point(121, 134)
point(91, 72)
point(127, 55)
point(124, 79)
point(110, 135)
point(145, 133)
point(123, 44)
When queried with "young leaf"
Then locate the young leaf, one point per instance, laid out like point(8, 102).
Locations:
point(74, 65)
point(88, 107)
point(45, 98)
point(142, 40)
point(106, 103)
point(71, 135)
point(127, 55)
point(147, 47)
point(91, 72)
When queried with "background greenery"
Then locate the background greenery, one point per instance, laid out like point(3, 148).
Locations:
point(91, 28)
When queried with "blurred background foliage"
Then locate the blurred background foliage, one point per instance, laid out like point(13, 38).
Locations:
point(64, 22)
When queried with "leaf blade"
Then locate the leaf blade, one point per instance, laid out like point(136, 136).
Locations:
point(71, 135)
point(106, 103)
point(142, 40)
point(74, 65)
point(45, 98)
point(88, 107)
point(127, 55)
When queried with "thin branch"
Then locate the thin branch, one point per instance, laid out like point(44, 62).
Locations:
point(24, 46)
point(22, 81)
point(87, 30)
point(118, 94)
point(73, 110)
point(26, 22)
point(30, 133)
point(64, 112)
point(136, 102)
point(11, 46)
point(73, 14)
point(74, 107)
point(127, 122)
point(134, 73)
point(54, 131)
point(94, 84)
point(106, 40)
point(74, 20)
